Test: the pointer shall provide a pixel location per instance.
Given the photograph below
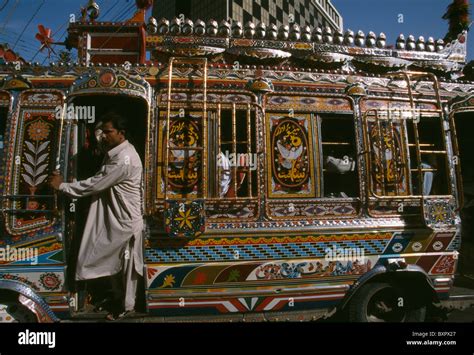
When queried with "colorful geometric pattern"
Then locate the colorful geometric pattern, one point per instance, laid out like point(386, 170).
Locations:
point(227, 249)
point(184, 219)
point(306, 209)
point(223, 305)
point(439, 213)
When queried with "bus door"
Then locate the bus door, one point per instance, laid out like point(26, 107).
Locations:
point(462, 121)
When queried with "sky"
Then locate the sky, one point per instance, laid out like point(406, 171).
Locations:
point(420, 18)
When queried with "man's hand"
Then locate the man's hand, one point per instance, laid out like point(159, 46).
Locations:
point(55, 180)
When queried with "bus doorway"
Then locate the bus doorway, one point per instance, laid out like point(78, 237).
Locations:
point(464, 130)
point(87, 161)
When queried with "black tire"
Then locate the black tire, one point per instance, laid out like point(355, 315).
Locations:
point(383, 302)
point(13, 311)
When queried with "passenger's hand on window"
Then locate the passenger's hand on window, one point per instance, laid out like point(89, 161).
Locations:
point(55, 180)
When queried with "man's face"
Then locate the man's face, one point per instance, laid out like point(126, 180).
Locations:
point(111, 136)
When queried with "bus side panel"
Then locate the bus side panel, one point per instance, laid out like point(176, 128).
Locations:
point(218, 275)
point(31, 240)
point(258, 274)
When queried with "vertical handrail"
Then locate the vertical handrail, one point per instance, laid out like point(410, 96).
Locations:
point(219, 139)
point(382, 152)
point(204, 122)
point(395, 156)
point(57, 165)
point(168, 121)
point(454, 139)
point(204, 130)
point(249, 150)
point(436, 88)
point(417, 140)
point(234, 145)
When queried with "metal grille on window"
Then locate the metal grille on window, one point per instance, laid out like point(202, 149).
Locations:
point(233, 150)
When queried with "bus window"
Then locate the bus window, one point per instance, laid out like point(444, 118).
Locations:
point(233, 145)
point(339, 157)
point(433, 158)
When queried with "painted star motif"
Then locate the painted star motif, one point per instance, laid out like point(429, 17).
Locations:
point(185, 219)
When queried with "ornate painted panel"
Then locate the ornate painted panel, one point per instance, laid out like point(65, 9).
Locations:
point(380, 104)
point(310, 103)
point(30, 158)
point(187, 98)
point(184, 166)
point(290, 161)
point(4, 108)
point(184, 219)
point(322, 209)
point(389, 164)
point(38, 278)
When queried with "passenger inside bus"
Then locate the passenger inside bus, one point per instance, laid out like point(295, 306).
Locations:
point(340, 178)
point(226, 176)
point(427, 178)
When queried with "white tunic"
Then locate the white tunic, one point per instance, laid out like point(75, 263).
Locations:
point(115, 215)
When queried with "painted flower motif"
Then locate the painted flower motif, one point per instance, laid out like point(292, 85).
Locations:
point(50, 281)
point(234, 276)
point(168, 281)
point(185, 219)
point(439, 213)
point(38, 131)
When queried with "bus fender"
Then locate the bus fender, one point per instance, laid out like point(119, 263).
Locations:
point(391, 271)
point(30, 299)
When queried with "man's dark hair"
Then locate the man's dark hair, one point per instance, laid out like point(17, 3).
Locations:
point(118, 121)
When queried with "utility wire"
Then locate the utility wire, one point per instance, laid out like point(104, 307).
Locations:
point(9, 15)
point(4, 5)
point(124, 5)
point(28, 23)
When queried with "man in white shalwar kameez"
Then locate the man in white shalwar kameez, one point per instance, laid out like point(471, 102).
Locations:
point(112, 238)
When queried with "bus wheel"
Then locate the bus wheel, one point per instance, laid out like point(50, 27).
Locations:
point(382, 302)
point(12, 311)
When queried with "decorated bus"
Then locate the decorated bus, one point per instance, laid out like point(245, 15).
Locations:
point(289, 172)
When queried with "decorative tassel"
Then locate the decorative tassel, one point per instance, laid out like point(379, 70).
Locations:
point(457, 15)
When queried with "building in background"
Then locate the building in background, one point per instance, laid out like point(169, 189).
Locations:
point(314, 13)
